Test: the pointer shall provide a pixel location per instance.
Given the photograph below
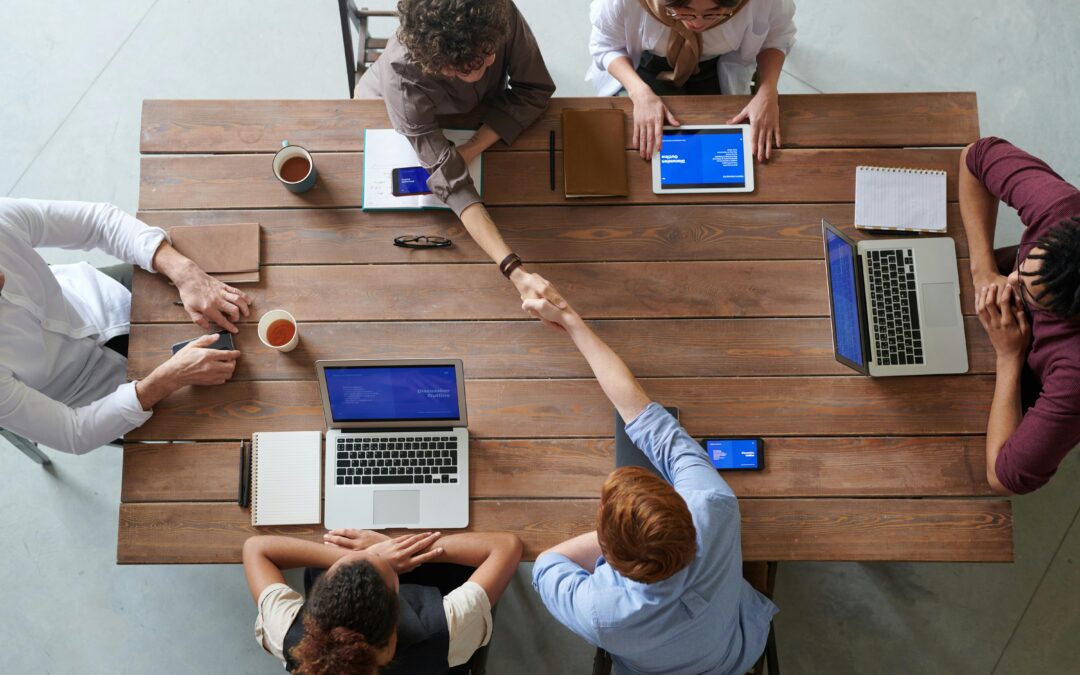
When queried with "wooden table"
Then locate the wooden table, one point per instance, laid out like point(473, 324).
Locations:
point(718, 302)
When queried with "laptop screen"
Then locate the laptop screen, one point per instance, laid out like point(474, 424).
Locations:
point(847, 325)
point(702, 158)
point(393, 393)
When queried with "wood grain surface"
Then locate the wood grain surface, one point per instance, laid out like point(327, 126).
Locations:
point(772, 529)
point(511, 179)
point(808, 121)
point(575, 467)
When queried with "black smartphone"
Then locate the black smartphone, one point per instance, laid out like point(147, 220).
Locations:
point(410, 180)
point(736, 453)
point(224, 342)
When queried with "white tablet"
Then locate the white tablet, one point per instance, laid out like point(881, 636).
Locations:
point(704, 158)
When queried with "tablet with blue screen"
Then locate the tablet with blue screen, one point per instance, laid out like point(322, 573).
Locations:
point(704, 158)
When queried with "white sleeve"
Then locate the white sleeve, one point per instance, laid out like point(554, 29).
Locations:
point(85, 226)
point(781, 26)
point(27, 412)
point(278, 607)
point(607, 41)
point(468, 619)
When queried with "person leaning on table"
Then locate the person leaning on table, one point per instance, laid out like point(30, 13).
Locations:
point(359, 617)
point(451, 57)
point(654, 48)
point(1028, 299)
point(659, 584)
point(63, 329)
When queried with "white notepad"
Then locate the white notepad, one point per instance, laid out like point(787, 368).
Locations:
point(286, 472)
point(386, 150)
point(911, 200)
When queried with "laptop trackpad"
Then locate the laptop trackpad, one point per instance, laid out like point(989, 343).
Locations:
point(939, 305)
point(396, 507)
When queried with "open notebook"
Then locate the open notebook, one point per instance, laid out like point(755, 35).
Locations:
point(286, 478)
point(894, 199)
point(386, 150)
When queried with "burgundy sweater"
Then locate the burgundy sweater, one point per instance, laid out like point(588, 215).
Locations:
point(1051, 425)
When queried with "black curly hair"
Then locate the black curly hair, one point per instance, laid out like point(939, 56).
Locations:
point(1060, 271)
point(453, 35)
point(350, 615)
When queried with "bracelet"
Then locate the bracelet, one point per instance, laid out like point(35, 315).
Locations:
point(509, 264)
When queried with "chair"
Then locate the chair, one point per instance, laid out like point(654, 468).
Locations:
point(28, 447)
point(369, 48)
point(763, 579)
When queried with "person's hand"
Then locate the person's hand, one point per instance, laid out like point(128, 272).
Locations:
point(208, 300)
point(409, 551)
point(532, 286)
point(1002, 315)
point(356, 540)
point(763, 111)
point(550, 314)
point(199, 365)
point(981, 280)
point(650, 115)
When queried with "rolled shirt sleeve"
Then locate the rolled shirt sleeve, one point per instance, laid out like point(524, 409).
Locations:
point(468, 620)
point(512, 110)
point(278, 607)
point(607, 41)
point(562, 586)
point(678, 457)
point(781, 33)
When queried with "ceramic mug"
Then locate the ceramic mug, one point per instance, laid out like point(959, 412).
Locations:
point(294, 167)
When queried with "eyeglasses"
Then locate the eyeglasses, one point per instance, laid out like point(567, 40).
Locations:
point(707, 16)
point(1024, 291)
point(424, 241)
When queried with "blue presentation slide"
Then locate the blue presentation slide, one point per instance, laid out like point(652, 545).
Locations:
point(733, 453)
point(702, 158)
point(412, 181)
point(845, 300)
point(392, 393)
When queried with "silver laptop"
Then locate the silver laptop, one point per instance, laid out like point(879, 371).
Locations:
point(895, 305)
point(397, 443)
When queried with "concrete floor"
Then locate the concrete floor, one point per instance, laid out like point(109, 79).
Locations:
point(73, 76)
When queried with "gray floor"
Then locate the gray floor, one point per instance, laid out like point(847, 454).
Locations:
point(73, 75)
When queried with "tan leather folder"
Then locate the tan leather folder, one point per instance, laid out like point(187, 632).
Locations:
point(229, 253)
point(594, 153)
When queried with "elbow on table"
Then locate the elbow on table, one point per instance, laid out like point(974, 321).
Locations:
point(510, 546)
point(995, 483)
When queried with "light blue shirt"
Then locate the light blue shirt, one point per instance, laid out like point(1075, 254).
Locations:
point(706, 619)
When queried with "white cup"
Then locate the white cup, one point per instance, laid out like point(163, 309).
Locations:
point(277, 315)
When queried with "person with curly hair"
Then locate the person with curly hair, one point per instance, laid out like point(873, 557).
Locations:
point(654, 48)
point(659, 584)
point(361, 617)
point(1027, 298)
point(453, 57)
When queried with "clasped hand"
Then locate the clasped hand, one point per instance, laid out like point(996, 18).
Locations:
point(404, 553)
point(1002, 315)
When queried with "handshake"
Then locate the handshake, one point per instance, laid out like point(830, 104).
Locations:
point(541, 299)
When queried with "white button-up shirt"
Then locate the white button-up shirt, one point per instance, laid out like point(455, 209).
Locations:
point(59, 384)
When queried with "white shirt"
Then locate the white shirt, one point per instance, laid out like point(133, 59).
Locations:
point(467, 608)
point(713, 43)
point(59, 384)
point(624, 28)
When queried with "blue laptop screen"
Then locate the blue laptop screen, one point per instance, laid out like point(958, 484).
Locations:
point(845, 300)
point(392, 393)
point(702, 158)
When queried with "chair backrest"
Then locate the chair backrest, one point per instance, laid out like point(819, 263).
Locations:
point(367, 48)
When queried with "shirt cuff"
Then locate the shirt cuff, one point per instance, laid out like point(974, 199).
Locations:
point(462, 198)
point(503, 123)
point(608, 57)
point(468, 621)
point(146, 245)
point(127, 404)
point(650, 412)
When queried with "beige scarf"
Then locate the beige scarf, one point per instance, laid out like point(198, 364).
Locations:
point(684, 45)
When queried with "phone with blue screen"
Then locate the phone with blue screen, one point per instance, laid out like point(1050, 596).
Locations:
point(410, 180)
point(736, 454)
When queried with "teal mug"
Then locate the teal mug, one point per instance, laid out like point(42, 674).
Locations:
point(294, 167)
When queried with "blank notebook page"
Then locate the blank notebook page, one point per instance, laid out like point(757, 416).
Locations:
point(899, 199)
point(285, 474)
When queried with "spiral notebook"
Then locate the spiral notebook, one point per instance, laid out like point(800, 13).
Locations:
point(895, 199)
point(286, 478)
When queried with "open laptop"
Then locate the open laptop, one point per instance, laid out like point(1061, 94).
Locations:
point(397, 443)
point(895, 305)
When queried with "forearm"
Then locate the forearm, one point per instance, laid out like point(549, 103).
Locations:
point(266, 556)
point(1005, 415)
point(495, 555)
point(619, 384)
point(173, 264)
point(161, 383)
point(623, 71)
point(483, 139)
point(978, 210)
point(770, 62)
point(583, 549)
point(481, 228)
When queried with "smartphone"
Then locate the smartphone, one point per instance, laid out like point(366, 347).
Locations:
point(736, 454)
point(411, 180)
point(224, 342)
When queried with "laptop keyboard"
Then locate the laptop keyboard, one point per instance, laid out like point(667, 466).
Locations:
point(894, 307)
point(374, 460)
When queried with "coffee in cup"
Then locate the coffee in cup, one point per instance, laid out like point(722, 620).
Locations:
point(278, 330)
point(294, 167)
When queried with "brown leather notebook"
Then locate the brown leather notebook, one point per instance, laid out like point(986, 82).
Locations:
point(594, 153)
point(229, 253)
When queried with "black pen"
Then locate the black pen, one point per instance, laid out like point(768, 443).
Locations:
point(240, 487)
point(551, 158)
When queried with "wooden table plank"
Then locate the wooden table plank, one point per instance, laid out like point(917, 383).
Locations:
point(510, 179)
point(809, 121)
point(548, 234)
point(731, 289)
point(525, 349)
point(772, 529)
point(508, 469)
point(782, 406)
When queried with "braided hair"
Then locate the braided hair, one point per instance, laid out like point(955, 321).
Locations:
point(1060, 271)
